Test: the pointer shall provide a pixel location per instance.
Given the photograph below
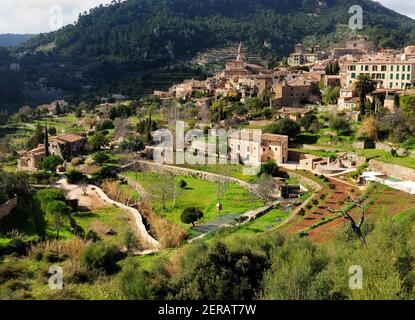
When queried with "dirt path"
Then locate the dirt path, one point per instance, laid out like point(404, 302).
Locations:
point(97, 199)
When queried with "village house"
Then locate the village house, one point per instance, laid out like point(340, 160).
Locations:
point(295, 92)
point(240, 67)
point(65, 146)
point(355, 46)
point(302, 56)
point(389, 71)
point(253, 148)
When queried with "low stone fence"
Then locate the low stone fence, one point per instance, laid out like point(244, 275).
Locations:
point(392, 170)
point(308, 183)
point(8, 207)
point(137, 216)
point(147, 166)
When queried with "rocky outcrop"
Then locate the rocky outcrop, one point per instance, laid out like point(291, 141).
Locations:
point(8, 207)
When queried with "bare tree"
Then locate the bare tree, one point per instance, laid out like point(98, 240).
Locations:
point(121, 128)
point(84, 186)
point(266, 188)
point(356, 225)
point(163, 190)
point(222, 185)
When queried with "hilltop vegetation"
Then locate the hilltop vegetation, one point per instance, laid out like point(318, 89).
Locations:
point(135, 46)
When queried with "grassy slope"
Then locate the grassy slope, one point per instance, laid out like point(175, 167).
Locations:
point(201, 194)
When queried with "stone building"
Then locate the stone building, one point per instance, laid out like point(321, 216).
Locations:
point(295, 92)
point(253, 148)
point(65, 146)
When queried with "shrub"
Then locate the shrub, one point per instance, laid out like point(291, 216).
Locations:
point(182, 184)
point(104, 125)
point(100, 157)
point(101, 256)
point(331, 186)
point(270, 168)
point(315, 202)
point(309, 206)
point(77, 161)
point(50, 163)
point(52, 131)
point(135, 144)
point(131, 241)
point(322, 196)
point(301, 212)
point(74, 176)
point(191, 215)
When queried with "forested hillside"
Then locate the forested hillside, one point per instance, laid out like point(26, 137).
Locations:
point(121, 47)
point(13, 39)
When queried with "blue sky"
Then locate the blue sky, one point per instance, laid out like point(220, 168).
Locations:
point(34, 16)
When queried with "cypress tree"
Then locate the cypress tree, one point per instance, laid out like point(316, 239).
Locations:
point(46, 142)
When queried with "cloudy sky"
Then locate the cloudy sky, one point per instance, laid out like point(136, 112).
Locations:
point(34, 16)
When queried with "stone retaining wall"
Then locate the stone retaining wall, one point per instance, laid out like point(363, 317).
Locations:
point(392, 170)
point(306, 182)
point(147, 166)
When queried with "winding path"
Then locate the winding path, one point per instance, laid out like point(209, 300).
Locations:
point(75, 192)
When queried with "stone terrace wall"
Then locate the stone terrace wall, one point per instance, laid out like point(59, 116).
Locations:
point(305, 182)
point(179, 171)
point(7, 208)
point(392, 170)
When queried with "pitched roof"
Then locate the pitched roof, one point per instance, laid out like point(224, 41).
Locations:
point(70, 137)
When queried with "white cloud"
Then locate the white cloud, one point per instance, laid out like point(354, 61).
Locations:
point(34, 16)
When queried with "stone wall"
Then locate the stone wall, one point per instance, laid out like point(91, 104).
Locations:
point(401, 152)
point(308, 183)
point(392, 170)
point(8, 207)
point(179, 171)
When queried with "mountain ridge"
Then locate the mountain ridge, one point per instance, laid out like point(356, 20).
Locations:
point(121, 47)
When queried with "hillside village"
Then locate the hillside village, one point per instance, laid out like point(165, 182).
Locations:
point(326, 131)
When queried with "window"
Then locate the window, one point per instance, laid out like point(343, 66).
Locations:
point(403, 68)
point(374, 68)
point(352, 68)
point(361, 68)
point(366, 68)
point(391, 68)
point(409, 68)
point(248, 149)
point(408, 77)
point(391, 76)
point(397, 68)
point(239, 147)
point(397, 76)
point(390, 85)
point(247, 157)
point(353, 75)
point(383, 76)
point(383, 68)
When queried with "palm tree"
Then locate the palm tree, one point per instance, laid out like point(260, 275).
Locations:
point(364, 86)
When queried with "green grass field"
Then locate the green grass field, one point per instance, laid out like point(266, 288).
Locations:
point(232, 170)
point(200, 194)
point(267, 222)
